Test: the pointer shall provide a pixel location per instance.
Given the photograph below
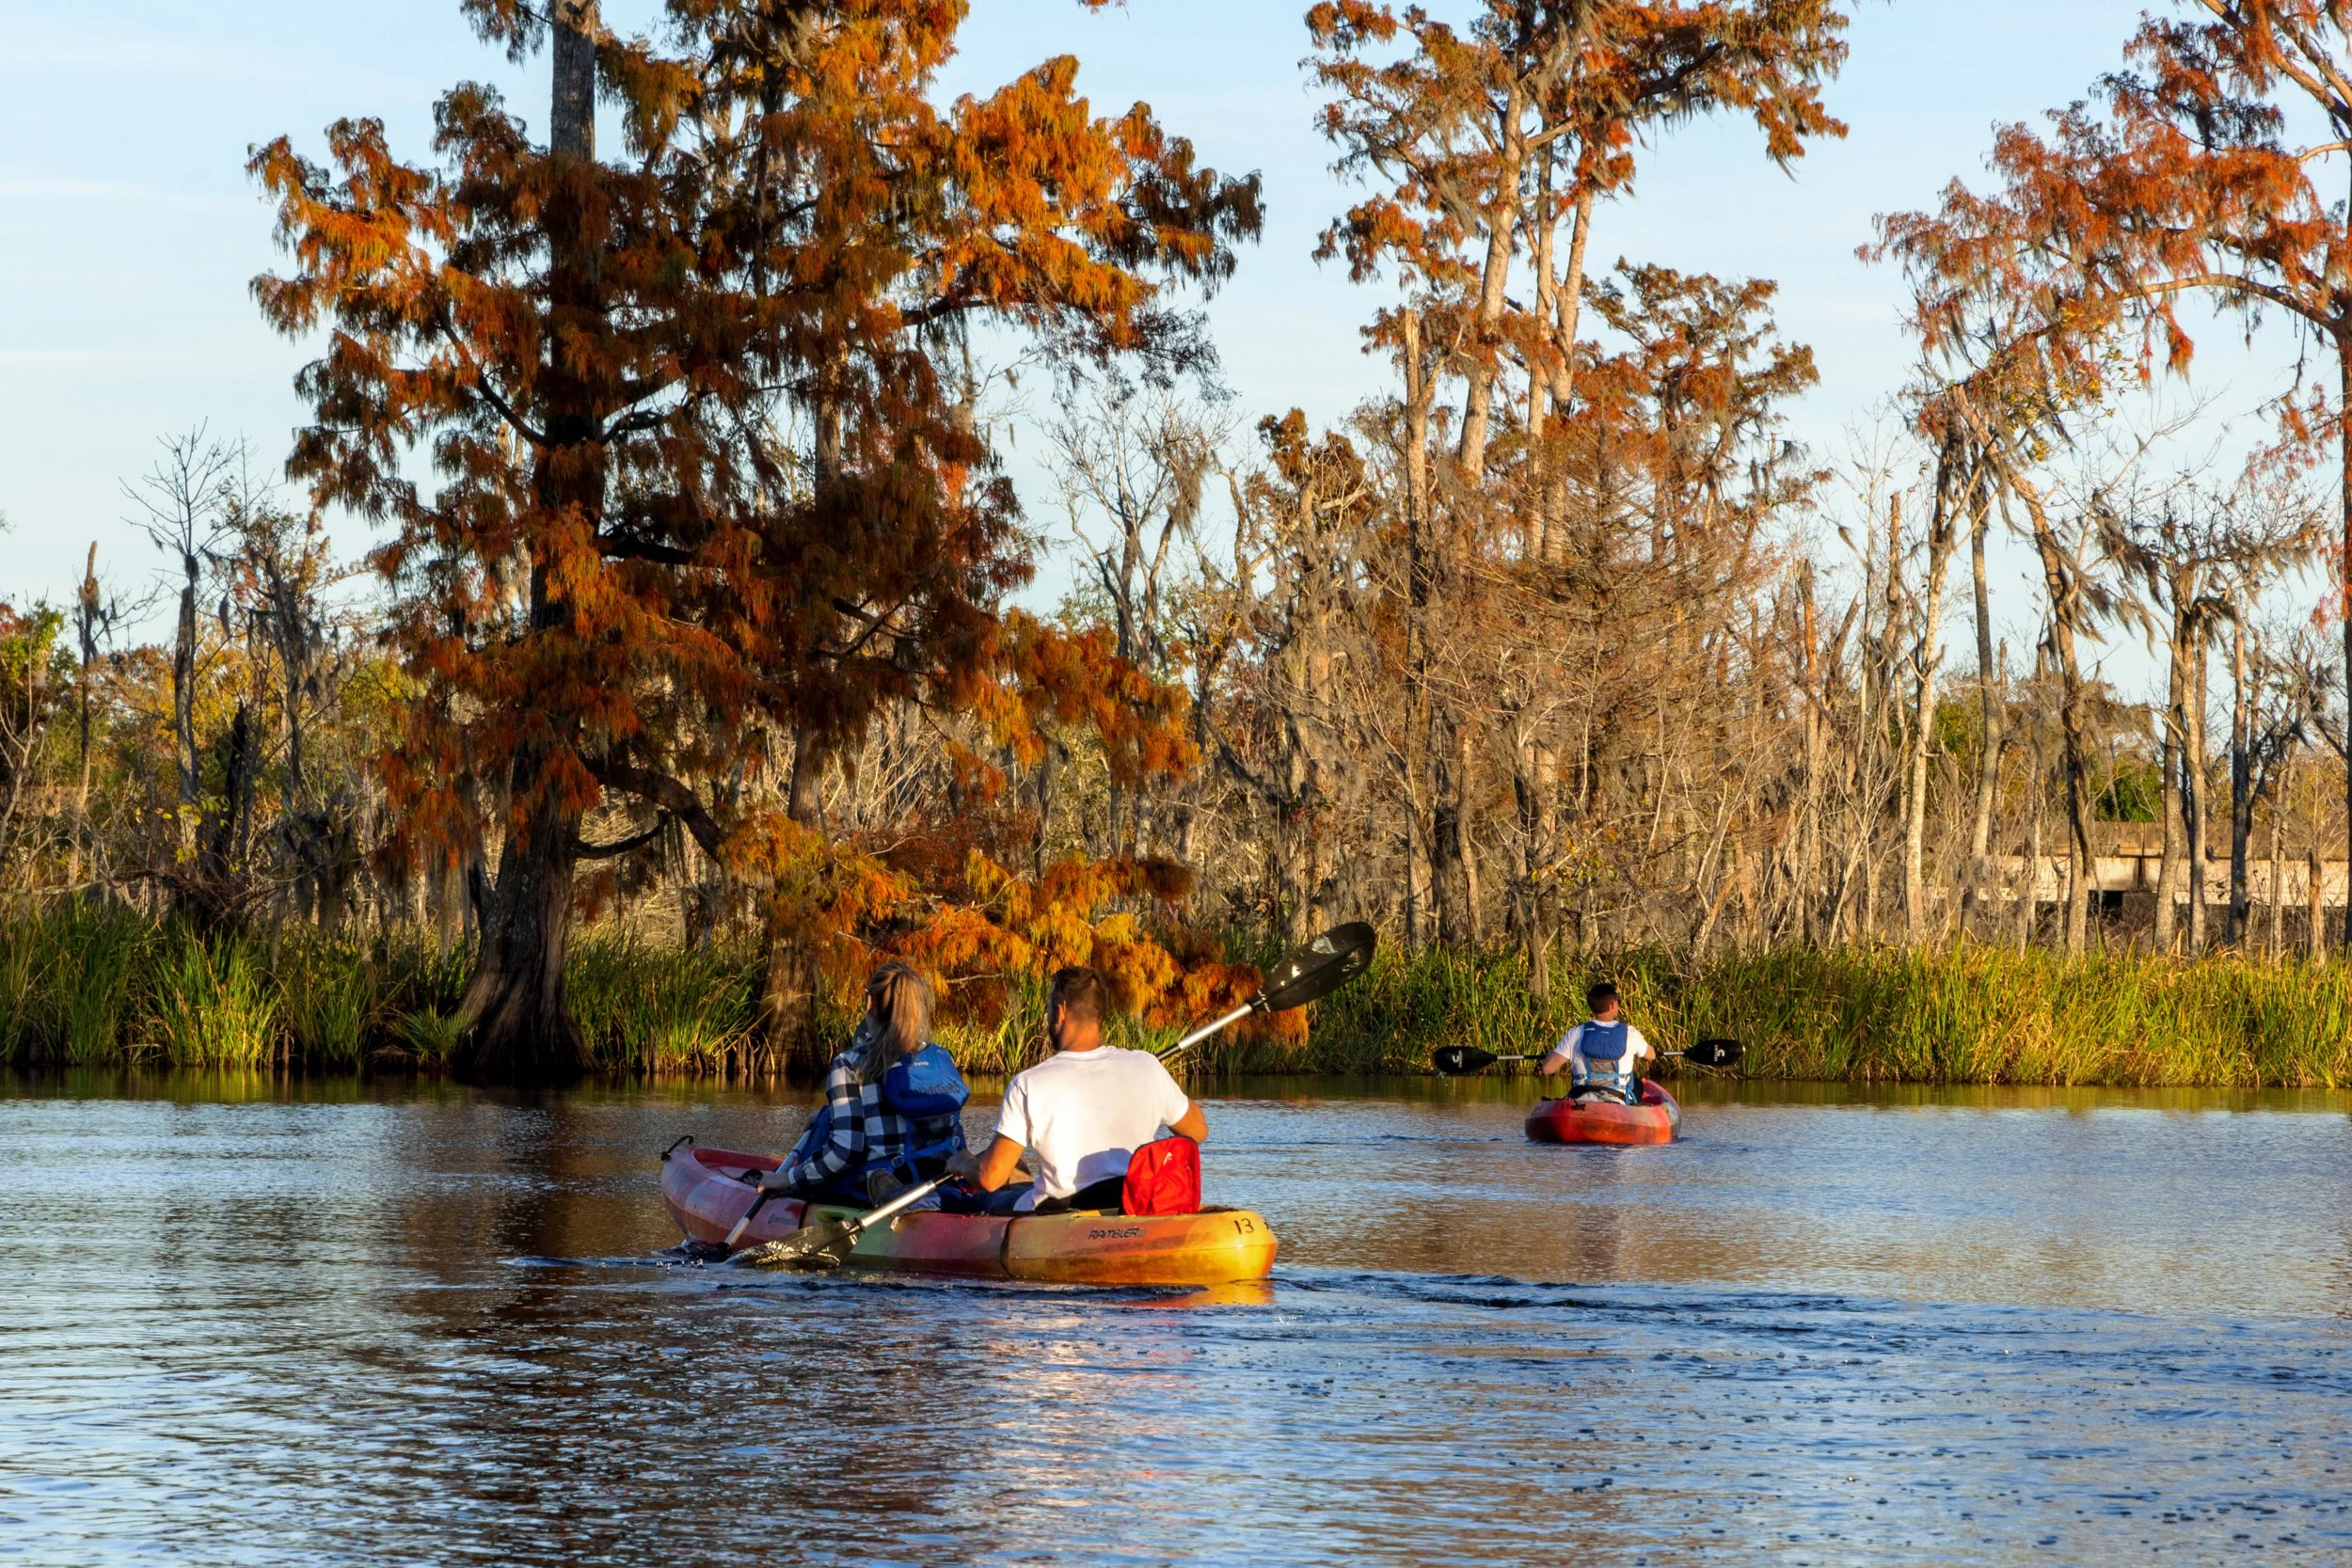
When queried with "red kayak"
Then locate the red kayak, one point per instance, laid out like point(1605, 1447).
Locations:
point(1607, 1121)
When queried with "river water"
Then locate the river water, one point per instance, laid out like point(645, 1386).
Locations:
point(326, 1322)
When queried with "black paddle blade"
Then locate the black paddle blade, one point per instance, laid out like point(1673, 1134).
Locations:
point(1716, 1053)
point(1320, 968)
point(1463, 1058)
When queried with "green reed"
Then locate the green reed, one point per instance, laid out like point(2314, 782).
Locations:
point(210, 1006)
point(86, 986)
point(645, 1007)
point(330, 993)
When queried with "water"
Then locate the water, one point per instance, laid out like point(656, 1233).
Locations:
point(322, 1323)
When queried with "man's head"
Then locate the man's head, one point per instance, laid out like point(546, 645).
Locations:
point(1601, 999)
point(1075, 1007)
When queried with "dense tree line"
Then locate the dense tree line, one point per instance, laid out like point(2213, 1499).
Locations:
point(698, 599)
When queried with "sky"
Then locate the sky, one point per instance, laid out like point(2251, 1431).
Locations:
point(129, 229)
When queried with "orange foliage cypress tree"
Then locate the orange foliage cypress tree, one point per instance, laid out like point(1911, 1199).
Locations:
point(702, 478)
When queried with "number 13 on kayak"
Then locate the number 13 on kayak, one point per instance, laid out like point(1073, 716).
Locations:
point(1141, 1224)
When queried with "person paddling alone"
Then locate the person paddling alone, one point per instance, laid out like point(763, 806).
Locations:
point(1084, 1111)
point(1604, 1055)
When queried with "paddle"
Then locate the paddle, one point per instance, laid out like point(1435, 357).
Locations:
point(1318, 969)
point(1468, 1059)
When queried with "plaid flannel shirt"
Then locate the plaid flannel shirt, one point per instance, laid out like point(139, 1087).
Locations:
point(867, 1135)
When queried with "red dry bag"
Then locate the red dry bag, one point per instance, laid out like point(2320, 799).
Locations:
point(1163, 1178)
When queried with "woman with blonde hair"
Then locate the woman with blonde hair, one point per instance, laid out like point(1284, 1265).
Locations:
point(893, 1104)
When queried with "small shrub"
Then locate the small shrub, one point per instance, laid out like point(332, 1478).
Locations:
point(427, 1038)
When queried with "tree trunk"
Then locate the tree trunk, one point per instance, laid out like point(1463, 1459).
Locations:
point(2240, 785)
point(2029, 895)
point(2200, 832)
point(516, 1024)
point(1418, 569)
point(2174, 753)
point(1503, 229)
point(790, 985)
point(2344, 576)
point(2278, 888)
point(1989, 694)
point(2315, 905)
point(1942, 521)
point(572, 117)
point(1567, 301)
point(1465, 847)
point(1536, 784)
point(2065, 604)
point(1809, 897)
point(217, 857)
point(86, 615)
point(516, 1019)
point(184, 705)
point(1448, 871)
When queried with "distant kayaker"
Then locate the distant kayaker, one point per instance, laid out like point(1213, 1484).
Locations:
point(1082, 1111)
point(894, 1104)
point(1603, 1056)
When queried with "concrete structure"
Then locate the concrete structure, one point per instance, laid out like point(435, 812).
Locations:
point(2129, 857)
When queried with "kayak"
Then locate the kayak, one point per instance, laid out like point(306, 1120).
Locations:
point(707, 1194)
point(1655, 1120)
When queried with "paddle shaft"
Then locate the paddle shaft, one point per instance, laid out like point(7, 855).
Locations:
point(1536, 1058)
point(735, 1237)
point(1207, 1029)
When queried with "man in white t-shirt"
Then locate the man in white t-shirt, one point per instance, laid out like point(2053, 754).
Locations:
point(1082, 1110)
point(1603, 1056)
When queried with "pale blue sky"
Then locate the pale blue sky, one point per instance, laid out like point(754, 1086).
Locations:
point(128, 230)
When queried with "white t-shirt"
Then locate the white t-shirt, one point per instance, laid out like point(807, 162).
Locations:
point(1084, 1112)
point(1572, 1046)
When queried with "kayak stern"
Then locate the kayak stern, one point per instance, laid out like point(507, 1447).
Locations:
point(1655, 1120)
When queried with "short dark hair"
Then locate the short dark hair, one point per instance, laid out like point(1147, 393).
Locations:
point(1598, 993)
point(1082, 993)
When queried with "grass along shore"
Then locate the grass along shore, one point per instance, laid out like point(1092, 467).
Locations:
point(1966, 1014)
point(81, 987)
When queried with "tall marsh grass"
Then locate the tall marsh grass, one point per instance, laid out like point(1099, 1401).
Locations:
point(87, 987)
point(1966, 1014)
point(211, 1007)
point(663, 1009)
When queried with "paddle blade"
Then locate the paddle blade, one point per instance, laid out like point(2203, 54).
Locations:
point(821, 1246)
point(1716, 1053)
point(1320, 968)
point(1464, 1058)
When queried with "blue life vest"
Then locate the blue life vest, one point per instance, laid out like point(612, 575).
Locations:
point(1608, 1059)
point(925, 1087)
point(921, 1087)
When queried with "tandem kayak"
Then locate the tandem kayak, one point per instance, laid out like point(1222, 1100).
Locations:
point(707, 1194)
point(1655, 1120)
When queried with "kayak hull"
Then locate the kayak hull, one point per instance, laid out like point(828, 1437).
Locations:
point(706, 1193)
point(1655, 1120)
